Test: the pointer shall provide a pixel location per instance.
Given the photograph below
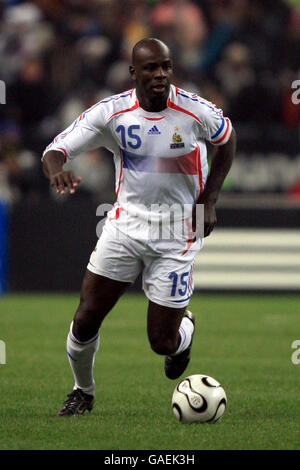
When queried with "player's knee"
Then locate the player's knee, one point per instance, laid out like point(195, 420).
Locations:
point(85, 325)
point(163, 345)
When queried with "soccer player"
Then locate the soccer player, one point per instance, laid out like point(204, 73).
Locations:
point(157, 135)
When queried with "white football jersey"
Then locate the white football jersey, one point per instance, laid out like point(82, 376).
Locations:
point(160, 158)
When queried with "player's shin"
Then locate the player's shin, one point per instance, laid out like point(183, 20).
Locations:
point(176, 364)
point(186, 331)
point(81, 357)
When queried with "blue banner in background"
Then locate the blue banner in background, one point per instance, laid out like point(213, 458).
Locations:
point(3, 246)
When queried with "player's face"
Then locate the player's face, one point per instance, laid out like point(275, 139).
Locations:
point(152, 73)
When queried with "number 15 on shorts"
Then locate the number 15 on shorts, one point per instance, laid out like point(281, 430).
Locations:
point(182, 284)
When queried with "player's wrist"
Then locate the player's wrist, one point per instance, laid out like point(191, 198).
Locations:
point(209, 198)
point(53, 163)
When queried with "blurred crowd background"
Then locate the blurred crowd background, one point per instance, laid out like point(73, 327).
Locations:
point(59, 57)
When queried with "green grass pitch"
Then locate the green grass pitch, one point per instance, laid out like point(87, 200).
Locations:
point(244, 341)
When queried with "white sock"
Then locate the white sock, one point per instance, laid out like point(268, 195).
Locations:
point(186, 330)
point(81, 357)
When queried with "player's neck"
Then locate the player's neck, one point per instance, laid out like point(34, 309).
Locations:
point(152, 106)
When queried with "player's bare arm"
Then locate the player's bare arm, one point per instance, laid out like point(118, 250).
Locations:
point(53, 163)
point(220, 166)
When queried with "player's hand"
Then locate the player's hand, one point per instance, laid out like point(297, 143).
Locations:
point(209, 221)
point(210, 218)
point(63, 181)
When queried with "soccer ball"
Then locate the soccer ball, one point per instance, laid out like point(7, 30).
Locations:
point(199, 399)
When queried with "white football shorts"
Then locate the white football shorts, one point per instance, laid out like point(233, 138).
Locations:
point(166, 266)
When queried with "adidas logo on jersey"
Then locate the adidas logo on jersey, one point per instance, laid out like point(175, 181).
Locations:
point(153, 131)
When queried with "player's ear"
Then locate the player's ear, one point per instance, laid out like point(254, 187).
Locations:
point(132, 72)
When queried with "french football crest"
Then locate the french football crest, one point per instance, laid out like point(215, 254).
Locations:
point(176, 139)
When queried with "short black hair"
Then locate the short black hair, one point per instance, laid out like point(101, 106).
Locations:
point(146, 42)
